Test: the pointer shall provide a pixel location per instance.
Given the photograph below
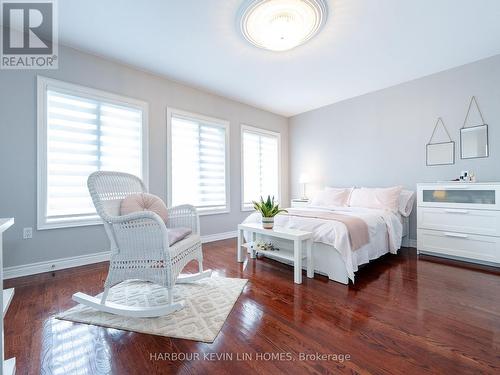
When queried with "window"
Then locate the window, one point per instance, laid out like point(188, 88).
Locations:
point(261, 165)
point(198, 161)
point(81, 130)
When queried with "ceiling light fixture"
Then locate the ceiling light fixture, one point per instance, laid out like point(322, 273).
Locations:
point(280, 25)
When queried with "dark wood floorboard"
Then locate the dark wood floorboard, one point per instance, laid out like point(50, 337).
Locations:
point(404, 315)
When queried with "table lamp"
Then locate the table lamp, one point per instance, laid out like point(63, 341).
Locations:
point(303, 180)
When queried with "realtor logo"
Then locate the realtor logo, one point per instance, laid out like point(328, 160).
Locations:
point(29, 34)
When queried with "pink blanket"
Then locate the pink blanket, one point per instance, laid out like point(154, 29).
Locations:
point(356, 227)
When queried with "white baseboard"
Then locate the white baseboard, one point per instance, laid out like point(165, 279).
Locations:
point(409, 242)
point(82, 260)
point(219, 236)
point(54, 265)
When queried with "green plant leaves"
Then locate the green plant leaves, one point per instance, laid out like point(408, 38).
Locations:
point(268, 207)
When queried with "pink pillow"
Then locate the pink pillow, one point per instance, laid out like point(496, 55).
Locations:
point(383, 198)
point(332, 197)
point(144, 202)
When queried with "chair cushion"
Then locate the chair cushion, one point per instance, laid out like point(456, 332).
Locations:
point(186, 243)
point(144, 202)
point(177, 234)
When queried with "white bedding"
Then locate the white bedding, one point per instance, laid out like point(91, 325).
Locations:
point(385, 230)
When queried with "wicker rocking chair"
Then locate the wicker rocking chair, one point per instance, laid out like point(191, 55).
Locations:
point(140, 246)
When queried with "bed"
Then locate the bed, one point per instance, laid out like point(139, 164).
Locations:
point(332, 252)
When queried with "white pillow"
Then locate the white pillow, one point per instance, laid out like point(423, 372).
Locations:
point(333, 197)
point(382, 198)
point(406, 201)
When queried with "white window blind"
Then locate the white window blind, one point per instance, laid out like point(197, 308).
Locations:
point(198, 162)
point(261, 171)
point(82, 133)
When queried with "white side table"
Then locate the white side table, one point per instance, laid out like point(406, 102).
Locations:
point(299, 203)
point(297, 236)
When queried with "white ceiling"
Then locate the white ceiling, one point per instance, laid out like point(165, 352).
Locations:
point(366, 45)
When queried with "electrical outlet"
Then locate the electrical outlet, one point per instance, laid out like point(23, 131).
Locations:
point(27, 233)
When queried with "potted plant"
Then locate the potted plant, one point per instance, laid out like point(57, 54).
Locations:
point(268, 209)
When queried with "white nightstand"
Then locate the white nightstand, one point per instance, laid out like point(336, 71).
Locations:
point(299, 202)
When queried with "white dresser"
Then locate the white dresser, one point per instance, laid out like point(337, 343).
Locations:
point(460, 221)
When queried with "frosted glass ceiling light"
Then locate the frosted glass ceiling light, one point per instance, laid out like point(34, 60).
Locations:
point(280, 25)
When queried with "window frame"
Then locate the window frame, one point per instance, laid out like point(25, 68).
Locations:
point(258, 131)
point(196, 116)
point(43, 84)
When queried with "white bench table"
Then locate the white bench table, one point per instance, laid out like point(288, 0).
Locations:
point(299, 237)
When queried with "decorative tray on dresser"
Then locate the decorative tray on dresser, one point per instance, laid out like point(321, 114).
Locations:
point(460, 221)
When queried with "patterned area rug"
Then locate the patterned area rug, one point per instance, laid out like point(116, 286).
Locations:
point(208, 303)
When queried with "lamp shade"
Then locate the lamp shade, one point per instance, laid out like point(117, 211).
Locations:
point(304, 178)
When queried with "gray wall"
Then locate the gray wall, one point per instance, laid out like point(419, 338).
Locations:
point(18, 148)
point(379, 139)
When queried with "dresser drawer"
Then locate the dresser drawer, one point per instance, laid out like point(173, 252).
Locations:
point(459, 220)
point(471, 246)
point(466, 195)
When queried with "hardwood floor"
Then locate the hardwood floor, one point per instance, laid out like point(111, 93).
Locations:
point(403, 316)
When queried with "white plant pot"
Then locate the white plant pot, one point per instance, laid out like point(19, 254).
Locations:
point(267, 222)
